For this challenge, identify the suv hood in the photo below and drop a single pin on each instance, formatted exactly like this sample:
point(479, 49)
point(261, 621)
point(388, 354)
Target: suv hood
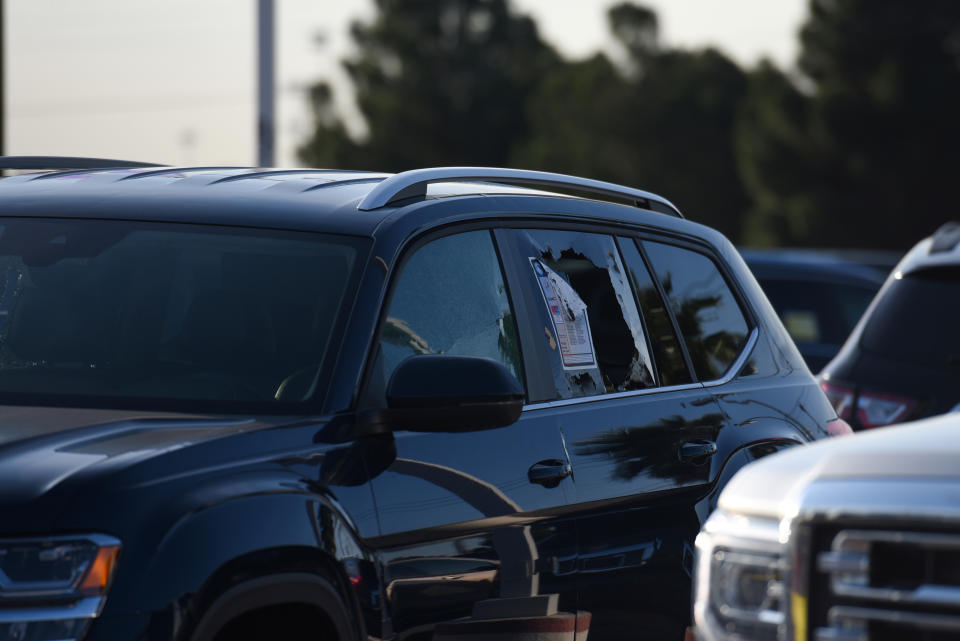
point(41, 447)
point(927, 449)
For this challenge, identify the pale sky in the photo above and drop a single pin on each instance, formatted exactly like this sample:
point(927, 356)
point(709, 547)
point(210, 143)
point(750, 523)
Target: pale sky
point(173, 81)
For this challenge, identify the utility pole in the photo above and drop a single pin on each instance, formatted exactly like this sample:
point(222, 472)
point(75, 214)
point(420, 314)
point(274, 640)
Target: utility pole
point(266, 99)
point(3, 79)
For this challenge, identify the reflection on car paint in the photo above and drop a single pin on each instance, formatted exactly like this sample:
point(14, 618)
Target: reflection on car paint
point(514, 546)
point(619, 558)
point(638, 451)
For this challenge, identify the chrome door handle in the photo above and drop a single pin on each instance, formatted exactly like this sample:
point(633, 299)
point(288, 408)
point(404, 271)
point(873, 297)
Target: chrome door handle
point(697, 452)
point(549, 472)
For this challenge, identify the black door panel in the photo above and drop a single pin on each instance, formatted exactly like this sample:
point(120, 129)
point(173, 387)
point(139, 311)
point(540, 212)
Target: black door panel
point(633, 446)
point(461, 522)
point(635, 570)
point(637, 505)
point(439, 479)
point(645, 449)
point(460, 519)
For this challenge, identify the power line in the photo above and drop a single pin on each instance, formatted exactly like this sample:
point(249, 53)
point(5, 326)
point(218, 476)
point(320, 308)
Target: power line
point(235, 100)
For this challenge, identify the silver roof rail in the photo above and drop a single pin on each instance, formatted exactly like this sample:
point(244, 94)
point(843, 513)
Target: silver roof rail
point(66, 162)
point(410, 184)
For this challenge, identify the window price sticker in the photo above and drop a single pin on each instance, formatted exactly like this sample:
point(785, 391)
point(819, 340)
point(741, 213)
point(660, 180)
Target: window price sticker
point(569, 315)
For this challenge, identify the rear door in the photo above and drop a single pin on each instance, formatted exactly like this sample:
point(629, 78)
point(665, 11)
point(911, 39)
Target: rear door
point(626, 394)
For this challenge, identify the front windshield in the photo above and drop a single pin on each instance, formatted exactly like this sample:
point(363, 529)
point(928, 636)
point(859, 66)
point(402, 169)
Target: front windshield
point(101, 312)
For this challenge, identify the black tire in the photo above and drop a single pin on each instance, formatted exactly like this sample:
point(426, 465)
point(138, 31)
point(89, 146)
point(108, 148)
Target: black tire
point(285, 607)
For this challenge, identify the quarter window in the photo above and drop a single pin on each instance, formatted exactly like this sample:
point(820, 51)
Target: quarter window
point(451, 299)
point(711, 322)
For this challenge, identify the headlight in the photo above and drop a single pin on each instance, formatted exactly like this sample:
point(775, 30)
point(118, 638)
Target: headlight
point(51, 588)
point(746, 593)
point(742, 580)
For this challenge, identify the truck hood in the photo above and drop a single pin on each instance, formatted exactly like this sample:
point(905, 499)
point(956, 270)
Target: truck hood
point(42, 447)
point(771, 487)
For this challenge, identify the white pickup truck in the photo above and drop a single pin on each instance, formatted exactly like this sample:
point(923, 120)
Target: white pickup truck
point(852, 539)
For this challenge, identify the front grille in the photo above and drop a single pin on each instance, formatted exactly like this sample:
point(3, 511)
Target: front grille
point(881, 585)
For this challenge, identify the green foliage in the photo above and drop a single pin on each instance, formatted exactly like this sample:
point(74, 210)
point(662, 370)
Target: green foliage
point(866, 156)
point(664, 122)
point(439, 83)
point(776, 160)
point(857, 150)
point(577, 123)
point(468, 82)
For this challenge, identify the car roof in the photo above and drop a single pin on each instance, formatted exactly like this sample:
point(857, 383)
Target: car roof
point(296, 199)
point(330, 200)
point(940, 250)
point(811, 264)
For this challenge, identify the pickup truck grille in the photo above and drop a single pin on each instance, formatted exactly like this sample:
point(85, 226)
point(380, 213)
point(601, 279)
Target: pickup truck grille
point(881, 585)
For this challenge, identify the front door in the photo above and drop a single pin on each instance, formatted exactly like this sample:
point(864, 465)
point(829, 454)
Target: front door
point(464, 517)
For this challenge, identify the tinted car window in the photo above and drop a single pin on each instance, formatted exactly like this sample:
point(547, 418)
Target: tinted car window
point(915, 319)
point(451, 299)
point(96, 309)
point(712, 324)
point(597, 342)
point(666, 348)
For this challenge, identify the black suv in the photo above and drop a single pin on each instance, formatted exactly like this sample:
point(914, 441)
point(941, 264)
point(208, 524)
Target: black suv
point(292, 404)
point(902, 362)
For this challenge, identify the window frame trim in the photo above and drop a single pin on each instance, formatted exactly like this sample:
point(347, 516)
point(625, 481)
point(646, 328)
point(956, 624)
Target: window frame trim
point(536, 365)
point(620, 234)
point(730, 374)
point(533, 370)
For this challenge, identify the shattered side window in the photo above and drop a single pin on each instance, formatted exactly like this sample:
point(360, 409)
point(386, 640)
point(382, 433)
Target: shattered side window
point(451, 299)
point(594, 333)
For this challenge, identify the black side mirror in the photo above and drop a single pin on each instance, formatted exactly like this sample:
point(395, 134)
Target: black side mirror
point(441, 393)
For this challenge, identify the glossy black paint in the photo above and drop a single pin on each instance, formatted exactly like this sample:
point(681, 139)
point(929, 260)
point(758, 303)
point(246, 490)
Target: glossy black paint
point(627, 473)
point(443, 393)
point(198, 503)
point(410, 528)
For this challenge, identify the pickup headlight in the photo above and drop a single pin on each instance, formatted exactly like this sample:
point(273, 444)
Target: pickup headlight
point(52, 588)
point(741, 586)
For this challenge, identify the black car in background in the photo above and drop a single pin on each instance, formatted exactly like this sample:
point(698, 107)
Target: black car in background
point(298, 404)
point(903, 360)
point(819, 294)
